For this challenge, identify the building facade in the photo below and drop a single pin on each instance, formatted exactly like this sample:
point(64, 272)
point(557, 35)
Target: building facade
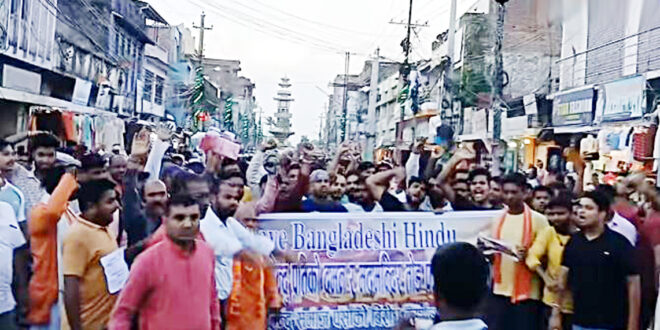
point(55, 55)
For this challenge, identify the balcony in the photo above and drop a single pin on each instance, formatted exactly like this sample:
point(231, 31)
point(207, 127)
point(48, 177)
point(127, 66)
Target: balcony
point(29, 35)
point(130, 16)
point(156, 52)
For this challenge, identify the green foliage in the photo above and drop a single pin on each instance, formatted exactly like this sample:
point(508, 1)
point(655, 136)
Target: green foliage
point(478, 42)
point(228, 115)
point(197, 98)
point(245, 128)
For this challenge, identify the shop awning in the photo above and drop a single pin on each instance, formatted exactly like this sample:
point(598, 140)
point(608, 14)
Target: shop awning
point(55, 103)
point(471, 137)
point(574, 129)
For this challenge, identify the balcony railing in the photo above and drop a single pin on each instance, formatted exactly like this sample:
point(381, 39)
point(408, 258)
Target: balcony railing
point(130, 13)
point(28, 32)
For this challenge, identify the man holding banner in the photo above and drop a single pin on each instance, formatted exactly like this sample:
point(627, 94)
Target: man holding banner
point(227, 236)
point(517, 290)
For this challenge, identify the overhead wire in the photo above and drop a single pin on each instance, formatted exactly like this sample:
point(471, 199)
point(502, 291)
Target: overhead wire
point(322, 34)
point(311, 21)
point(268, 28)
point(382, 34)
point(260, 20)
point(419, 43)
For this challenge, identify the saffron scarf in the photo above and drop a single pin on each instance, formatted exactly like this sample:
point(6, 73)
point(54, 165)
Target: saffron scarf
point(522, 285)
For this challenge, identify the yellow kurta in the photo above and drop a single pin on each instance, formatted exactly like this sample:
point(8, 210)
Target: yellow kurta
point(512, 233)
point(550, 244)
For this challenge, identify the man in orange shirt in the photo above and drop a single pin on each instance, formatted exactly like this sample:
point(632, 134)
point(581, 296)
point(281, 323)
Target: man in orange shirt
point(44, 287)
point(87, 297)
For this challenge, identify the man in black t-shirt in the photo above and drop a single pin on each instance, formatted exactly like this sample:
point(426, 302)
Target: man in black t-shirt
point(598, 266)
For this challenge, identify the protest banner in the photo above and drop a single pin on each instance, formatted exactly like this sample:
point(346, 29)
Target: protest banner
point(362, 270)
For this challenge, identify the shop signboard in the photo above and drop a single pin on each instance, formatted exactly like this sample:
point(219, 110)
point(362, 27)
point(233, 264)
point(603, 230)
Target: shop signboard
point(81, 91)
point(467, 120)
point(529, 102)
point(516, 126)
point(362, 271)
point(573, 108)
point(480, 121)
point(622, 99)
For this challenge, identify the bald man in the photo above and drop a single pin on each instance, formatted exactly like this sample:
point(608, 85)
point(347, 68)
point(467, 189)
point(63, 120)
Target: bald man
point(143, 209)
point(155, 201)
point(117, 168)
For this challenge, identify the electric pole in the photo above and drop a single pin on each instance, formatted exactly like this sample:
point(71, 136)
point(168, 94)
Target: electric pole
point(344, 109)
point(406, 62)
point(406, 68)
point(407, 46)
point(498, 85)
point(371, 111)
point(449, 85)
point(201, 28)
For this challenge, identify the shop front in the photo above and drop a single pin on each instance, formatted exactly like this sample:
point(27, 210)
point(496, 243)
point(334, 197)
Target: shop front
point(96, 131)
point(600, 133)
point(625, 139)
point(521, 143)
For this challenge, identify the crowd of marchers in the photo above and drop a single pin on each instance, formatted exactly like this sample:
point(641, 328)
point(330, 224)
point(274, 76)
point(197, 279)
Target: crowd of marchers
point(183, 224)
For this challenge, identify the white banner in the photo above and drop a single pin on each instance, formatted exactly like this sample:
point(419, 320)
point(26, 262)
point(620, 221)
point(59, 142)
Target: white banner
point(362, 270)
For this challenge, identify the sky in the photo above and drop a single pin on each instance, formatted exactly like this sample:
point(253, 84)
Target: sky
point(305, 40)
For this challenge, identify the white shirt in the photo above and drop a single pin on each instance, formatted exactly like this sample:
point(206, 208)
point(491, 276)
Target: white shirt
point(14, 197)
point(469, 324)
point(622, 226)
point(11, 237)
point(226, 241)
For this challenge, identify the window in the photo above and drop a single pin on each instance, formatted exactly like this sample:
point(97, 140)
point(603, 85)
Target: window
point(158, 99)
point(122, 39)
point(116, 43)
point(148, 83)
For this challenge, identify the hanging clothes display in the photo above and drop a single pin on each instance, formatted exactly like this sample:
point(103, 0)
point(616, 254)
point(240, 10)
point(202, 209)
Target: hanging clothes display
point(69, 126)
point(99, 124)
point(49, 121)
point(589, 148)
point(109, 132)
point(87, 132)
point(643, 143)
point(132, 127)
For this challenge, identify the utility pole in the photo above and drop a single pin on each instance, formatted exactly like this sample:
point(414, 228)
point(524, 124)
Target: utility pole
point(449, 85)
point(408, 46)
point(371, 111)
point(498, 85)
point(407, 62)
point(344, 110)
point(405, 70)
point(201, 28)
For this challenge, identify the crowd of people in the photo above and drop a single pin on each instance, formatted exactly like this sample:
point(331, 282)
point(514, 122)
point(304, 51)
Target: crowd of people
point(183, 224)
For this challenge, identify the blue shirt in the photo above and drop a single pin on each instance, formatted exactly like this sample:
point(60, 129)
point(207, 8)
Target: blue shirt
point(14, 197)
point(309, 205)
point(28, 184)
